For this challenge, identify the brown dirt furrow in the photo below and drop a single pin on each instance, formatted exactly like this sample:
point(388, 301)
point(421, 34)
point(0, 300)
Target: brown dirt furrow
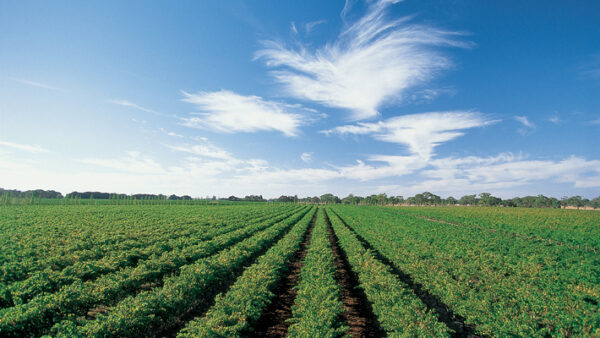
point(208, 298)
point(358, 313)
point(273, 321)
point(442, 311)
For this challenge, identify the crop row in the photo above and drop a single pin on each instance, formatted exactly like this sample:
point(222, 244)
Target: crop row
point(399, 311)
point(502, 285)
point(234, 312)
point(60, 238)
point(50, 280)
point(77, 298)
point(317, 308)
point(195, 286)
point(578, 228)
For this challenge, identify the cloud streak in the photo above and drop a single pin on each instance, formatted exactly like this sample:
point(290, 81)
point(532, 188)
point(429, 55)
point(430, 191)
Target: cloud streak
point(228, 112)
point(527, 125)
point(37, 84)
point(421, 133)
point(306, 157)
point(129, 104)
point(204, 150)
point(24, 147)
point(372, 61)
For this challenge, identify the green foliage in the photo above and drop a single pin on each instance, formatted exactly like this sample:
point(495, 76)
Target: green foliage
point(76, 296)
point(317, 306)
point(398, 309)
point(502, 284)
point(235, 311)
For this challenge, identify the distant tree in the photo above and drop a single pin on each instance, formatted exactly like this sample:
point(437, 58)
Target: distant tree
point(468, 200)
point(487, 199)
point(595, 203)
point(450, 200)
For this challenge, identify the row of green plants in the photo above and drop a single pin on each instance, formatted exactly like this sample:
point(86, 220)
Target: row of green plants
point(235, 311)
point(317, 308)
point(151, 312)
point(77, 298)
point(502, 285)
point(578, 228)
point(399, 311)
point(37, 238)
point(49, 280)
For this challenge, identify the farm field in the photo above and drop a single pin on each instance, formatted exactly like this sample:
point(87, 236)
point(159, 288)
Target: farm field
point(302, 270)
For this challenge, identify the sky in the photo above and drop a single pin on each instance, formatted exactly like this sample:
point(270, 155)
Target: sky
point(301, 97)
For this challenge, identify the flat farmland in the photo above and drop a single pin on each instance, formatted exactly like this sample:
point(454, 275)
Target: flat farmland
point(278, 269)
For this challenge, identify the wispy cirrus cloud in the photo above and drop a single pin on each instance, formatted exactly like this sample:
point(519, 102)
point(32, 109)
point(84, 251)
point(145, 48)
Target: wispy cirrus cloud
point(373, 60)
point(507, 171)
point(306, 157)
point(134, 162)
point(229, 112)
point(592, 68)
point(24, 147)
point(205, 149)
point(126, 103)
point(309, 26)
point(527, 126)
point(555, 119)
point(36, 84)
point(421, 133)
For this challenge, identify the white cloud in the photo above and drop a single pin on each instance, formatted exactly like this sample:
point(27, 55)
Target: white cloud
point(309, 26)
point(527, 125)
point(395, 166)
point(420, 132)
point(306, 157)
point(130, 104)
point(524, 121)
point(504, 172)
point(25, 147)
point(170, 133)
point(199, 175)
point(229, 112)
point(372, 61)
point(596, 122)
point(134, 162)
point(554, 119)
point(37, 84)
point(591, 69)
point(293, 28)
point(205, 150)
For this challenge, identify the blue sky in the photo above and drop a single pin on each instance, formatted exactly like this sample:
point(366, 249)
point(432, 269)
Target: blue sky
point(305, 97)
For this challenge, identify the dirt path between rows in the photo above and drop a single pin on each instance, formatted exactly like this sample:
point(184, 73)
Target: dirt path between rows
point(358, 313)
point(442, 311)
point(273, 321)
point(208, 298)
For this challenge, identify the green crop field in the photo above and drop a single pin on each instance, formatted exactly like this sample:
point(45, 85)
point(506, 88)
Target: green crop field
point(284, 269)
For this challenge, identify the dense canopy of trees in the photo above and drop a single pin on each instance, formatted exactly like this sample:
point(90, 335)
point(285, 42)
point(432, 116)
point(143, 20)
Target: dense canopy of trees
point(425, 198)
point(31, 193)
point(483, 199)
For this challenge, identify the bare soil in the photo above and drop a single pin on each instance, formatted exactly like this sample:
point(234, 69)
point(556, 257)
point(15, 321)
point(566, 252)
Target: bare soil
point(358, 313)
point(442, 311)
point(273, 321)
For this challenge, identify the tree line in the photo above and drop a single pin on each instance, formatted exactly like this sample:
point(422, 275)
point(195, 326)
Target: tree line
point(427, 198)
point(422, 199)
